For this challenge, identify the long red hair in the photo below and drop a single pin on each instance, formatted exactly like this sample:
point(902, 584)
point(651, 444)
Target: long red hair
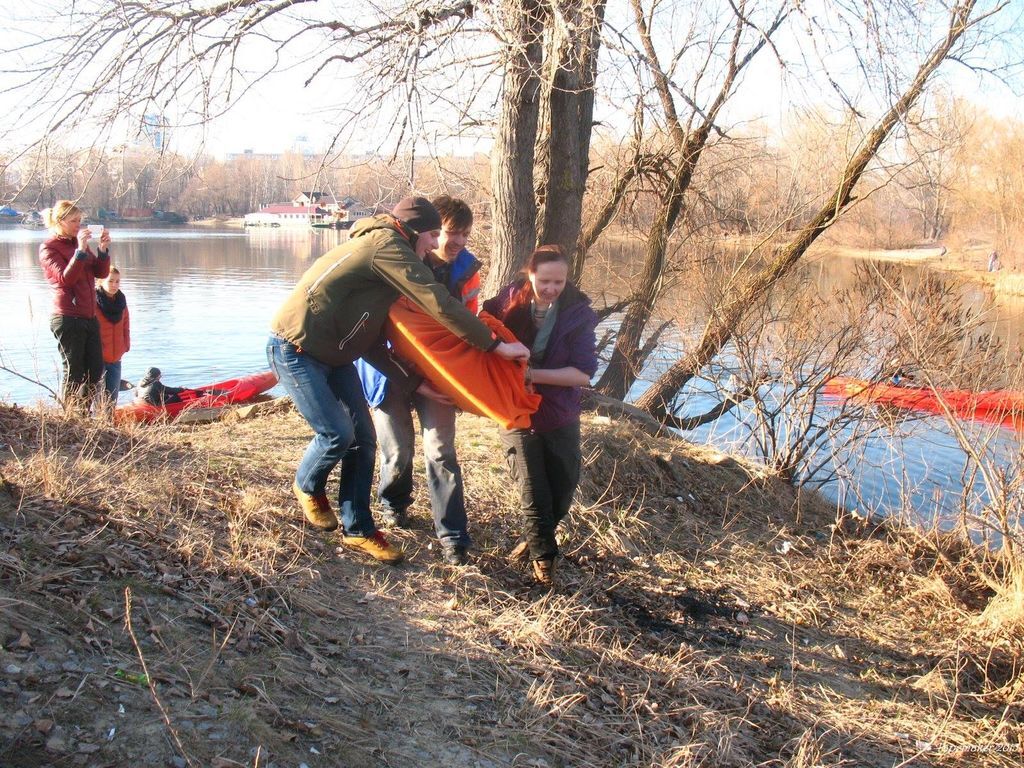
point(543, 255)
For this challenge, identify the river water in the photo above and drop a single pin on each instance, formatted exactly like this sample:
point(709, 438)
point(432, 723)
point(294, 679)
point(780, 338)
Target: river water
point(201, 299)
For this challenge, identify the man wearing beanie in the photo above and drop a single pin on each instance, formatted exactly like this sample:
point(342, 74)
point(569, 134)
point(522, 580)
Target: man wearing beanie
point(335, 315)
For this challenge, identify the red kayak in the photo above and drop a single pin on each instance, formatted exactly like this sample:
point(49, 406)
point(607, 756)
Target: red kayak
point(217, 395)
point(997, 406)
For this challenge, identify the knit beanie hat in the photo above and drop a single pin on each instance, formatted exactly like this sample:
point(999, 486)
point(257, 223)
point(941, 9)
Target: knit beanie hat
point(418, 213)
point(153, 374)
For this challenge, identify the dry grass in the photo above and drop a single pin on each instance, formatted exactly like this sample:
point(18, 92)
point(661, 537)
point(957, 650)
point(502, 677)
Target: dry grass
point(682, 635)
point(1009, 283)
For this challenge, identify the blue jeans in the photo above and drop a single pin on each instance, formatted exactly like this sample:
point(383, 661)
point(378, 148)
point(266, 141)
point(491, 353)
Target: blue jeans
point(331, 399)
point(112, 380)
point(393, 420)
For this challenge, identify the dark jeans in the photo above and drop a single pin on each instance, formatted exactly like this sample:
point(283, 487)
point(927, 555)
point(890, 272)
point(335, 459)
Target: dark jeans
point(397, 437)
point(331, 400)
point(81, 351)
point(546, 467)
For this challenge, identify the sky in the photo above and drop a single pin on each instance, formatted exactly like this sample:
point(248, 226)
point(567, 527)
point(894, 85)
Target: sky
point(280, 113)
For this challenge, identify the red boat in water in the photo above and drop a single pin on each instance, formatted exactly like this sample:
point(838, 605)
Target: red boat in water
point(230, 392)
point(997, 406)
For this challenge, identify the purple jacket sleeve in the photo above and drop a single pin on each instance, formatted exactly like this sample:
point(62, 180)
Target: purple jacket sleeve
point(583, 354)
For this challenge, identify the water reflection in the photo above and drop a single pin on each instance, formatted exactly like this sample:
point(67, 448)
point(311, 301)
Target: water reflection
point(200, 301)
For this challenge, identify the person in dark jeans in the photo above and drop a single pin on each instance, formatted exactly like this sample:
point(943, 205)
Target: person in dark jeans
point(554, 319)
point(72, 267)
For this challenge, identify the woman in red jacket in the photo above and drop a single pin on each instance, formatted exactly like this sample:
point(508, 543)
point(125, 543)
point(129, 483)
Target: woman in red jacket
point(71, 266)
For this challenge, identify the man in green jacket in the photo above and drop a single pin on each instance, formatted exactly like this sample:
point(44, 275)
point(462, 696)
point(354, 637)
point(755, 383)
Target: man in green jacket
point(335, 315)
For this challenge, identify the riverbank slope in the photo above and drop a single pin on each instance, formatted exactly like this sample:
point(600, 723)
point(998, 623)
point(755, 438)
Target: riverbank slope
point(161, 603)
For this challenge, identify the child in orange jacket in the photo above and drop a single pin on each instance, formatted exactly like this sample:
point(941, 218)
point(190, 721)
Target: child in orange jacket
point(114, 330)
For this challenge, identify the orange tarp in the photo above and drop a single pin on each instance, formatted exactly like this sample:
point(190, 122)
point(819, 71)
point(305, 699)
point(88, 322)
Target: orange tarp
point(479, 382)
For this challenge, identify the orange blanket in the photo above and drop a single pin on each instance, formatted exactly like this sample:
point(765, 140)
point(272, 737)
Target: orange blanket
point(479, 382)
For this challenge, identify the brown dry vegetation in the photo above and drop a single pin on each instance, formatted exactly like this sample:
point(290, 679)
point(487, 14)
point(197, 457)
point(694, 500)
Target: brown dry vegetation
point(682, 634)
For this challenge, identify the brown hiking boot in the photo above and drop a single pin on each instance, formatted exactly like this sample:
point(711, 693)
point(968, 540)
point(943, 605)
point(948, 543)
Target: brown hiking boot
point(316, 509)
point(544, 573)
point(520, 552)
point(375, 546)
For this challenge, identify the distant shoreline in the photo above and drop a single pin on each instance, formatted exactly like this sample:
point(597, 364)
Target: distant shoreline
point(970, 262)
point(215, 221)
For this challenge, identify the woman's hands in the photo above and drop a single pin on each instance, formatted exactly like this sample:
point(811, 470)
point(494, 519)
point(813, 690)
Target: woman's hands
point(84, 236)
point(512, 351)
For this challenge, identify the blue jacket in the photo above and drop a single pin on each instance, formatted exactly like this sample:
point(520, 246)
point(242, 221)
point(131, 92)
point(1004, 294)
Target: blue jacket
point(462, 279)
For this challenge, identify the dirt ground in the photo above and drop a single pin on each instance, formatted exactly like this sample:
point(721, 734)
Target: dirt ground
point(162, 604)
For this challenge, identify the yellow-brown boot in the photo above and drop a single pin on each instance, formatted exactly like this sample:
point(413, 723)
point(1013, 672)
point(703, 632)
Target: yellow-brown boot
point(376, 546)
point(544, 573)
point(316, 509)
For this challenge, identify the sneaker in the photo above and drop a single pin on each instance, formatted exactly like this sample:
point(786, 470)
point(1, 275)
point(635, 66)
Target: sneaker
point(376, 546)
point(394, 518)
point(454, 554)
point(316, 509)
point(544, 573)
point(520, 552)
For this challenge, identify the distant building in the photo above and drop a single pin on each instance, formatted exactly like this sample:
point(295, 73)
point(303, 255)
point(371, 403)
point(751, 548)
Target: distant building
point(310, 208)
point(154, 127)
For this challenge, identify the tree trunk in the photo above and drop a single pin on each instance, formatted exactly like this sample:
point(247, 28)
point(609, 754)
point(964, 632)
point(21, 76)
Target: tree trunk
point(624, 366)
point(514, 208)
point(574, 44)
point(723, 323)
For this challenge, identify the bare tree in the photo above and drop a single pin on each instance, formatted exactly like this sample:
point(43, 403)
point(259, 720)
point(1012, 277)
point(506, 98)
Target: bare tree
point(936, 143)
point(737, 42)
point(723, 323)
point(131, 69)
point(514, 208)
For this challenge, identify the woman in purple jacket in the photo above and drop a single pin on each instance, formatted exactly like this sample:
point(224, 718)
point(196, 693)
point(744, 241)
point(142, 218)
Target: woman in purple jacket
point(72, 268)
point(553, 318)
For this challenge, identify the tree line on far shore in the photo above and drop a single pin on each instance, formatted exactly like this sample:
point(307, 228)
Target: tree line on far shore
point(954, 180)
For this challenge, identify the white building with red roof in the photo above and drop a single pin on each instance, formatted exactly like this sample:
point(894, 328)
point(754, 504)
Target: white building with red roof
point(316, 209)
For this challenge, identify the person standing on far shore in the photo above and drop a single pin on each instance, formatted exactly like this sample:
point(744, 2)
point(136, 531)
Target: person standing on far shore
point(71, 266)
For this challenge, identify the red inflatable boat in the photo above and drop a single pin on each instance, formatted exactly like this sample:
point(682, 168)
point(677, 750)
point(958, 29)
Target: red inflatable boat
point(216, 395)
point(997, 406)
